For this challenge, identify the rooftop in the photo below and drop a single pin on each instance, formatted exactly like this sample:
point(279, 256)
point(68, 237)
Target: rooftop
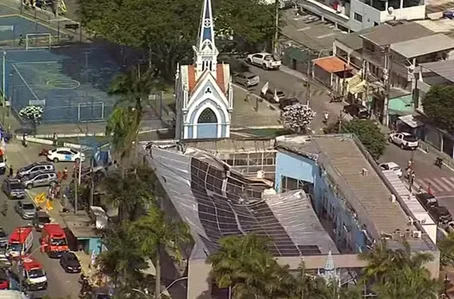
point(345, 163)
point(353, 40)
point(309, 31)
point(443, 68)
point(386, 34)
point(80, 225)
point(216, 201)
point(332, 64)
point(424, 45)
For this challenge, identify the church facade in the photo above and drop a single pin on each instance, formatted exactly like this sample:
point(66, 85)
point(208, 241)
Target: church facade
point(203, 91)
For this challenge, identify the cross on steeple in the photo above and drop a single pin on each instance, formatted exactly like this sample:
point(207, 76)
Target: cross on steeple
point(206, 52)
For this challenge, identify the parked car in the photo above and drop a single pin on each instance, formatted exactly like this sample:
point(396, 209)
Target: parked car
point(264, 60)
point(13, 188)
point(3, 237)
point(246, 79)
point(70, 263)
point(427, 200)
point(26, 209)
point(65, 154)
point(39, 179)
point(39, 219)
point(4, 279)
point(270, 95)
point(287, 102)
point(37, 167)
point(356, 110)
point(404, 140)
point(440, 214)
point(391, 166)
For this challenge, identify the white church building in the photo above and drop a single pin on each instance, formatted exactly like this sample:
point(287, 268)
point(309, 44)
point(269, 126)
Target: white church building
point(203, 91)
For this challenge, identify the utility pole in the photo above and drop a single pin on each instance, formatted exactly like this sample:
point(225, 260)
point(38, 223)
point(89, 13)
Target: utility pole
point(57, 7)
point(386, 83)
point(276, 28)
point(4, 84)
point(92, 181)
point(76, 193)
point(308, 84)
point(340, 121)
point(19, 266)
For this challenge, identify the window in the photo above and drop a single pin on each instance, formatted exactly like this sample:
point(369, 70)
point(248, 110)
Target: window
point(208, 117)
point(358, 17)
point(376, 24)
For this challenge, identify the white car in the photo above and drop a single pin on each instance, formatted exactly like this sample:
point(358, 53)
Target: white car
point(404, 140)
point(264, 60)
point(391, 166)
point(65, 154)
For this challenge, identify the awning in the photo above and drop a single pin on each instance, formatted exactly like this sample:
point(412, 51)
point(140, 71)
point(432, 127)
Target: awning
point(411, 121)
point(332, 64)
point(401, 105)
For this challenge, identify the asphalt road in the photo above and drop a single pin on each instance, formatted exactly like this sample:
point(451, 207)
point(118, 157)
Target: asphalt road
point(441, 180)
point(60, 284)
point(294, 87)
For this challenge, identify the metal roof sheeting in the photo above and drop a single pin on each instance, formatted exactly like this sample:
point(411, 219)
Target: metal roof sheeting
point(424, 45)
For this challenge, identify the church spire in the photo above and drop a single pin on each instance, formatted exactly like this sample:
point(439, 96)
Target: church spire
point(206, 51)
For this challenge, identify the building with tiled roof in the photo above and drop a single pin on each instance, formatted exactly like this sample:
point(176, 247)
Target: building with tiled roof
point(204, 96)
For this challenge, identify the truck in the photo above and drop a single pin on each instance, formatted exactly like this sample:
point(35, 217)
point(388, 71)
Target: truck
point(53, 240)
point(33, 275)
point(20, 241)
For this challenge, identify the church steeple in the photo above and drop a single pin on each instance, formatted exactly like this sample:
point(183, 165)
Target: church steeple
point(206, 52)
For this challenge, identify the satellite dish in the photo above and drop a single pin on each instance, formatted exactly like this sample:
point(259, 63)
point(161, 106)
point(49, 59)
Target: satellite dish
point(390, 10)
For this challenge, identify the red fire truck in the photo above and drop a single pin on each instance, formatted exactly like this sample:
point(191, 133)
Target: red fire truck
point(20, 241)
point(53, 240)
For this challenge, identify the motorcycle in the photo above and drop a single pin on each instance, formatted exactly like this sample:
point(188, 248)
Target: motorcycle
point(44, 152)
point(439, 162)
point(24, 141)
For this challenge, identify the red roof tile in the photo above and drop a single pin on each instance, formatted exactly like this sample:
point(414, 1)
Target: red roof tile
point(191, 78)
point(220, 76)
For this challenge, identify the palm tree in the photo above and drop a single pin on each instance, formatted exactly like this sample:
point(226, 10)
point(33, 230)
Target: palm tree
point(129, 192)
point(123, 260)
point(154, 232)
point(244, 264)
point(446, 247)
point(381, 260)
point(123, 124)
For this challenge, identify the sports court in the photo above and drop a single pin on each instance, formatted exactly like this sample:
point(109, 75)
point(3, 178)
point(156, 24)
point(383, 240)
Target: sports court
point(69, 82)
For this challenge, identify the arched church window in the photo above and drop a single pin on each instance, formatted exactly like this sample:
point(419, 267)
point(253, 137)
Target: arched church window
point(208, 117)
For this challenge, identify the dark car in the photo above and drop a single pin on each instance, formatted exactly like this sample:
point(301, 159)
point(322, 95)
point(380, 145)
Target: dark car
point(356, 110)
point(287, 102)
point(427, 200)
point(270, 95)
point(70, 262)
point(440, 214)
point(13, 188)
point(3, 237)
point(40, 219)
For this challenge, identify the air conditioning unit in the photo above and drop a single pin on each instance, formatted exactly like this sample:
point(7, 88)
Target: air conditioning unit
point(260, 174)
point(410, 220)
point(422, 221)
point(417, 234)
point(364, 172)
point(393, 198)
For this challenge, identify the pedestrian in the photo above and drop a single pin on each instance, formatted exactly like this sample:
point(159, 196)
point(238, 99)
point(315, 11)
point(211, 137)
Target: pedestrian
point(420, 189)
point(59, 176)
point(65, 173)
point(54, 139)
point(429, 189)
point(11, 171)
point(21, 40)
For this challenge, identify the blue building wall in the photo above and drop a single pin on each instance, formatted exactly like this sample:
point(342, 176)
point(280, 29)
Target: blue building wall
point(326, 202)
point(293, 166)
point(92, 244)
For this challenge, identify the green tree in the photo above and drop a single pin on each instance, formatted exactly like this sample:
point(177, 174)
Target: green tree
point(129, 192)
point(168, 29)
point(399, 273)
point(123, 125)
point(123, 261)
point(438, 105)
point(446, 247)
point(245, 264)
point(367, 132)
point(154, 232)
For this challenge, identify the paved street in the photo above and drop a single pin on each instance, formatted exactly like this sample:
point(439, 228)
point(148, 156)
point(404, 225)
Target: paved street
point(292, 83)
point(61, 284)
point(441, 180)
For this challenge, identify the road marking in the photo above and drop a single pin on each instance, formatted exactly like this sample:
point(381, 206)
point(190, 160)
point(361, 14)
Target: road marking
point(443, 184)
point(439, 184)
point(449, 182)
point(305, 28)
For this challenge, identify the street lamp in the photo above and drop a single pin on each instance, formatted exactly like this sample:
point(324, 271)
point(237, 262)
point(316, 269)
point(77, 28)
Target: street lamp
point(171, 284)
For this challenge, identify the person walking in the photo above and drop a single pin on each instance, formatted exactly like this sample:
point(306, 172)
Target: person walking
point(11, 171)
